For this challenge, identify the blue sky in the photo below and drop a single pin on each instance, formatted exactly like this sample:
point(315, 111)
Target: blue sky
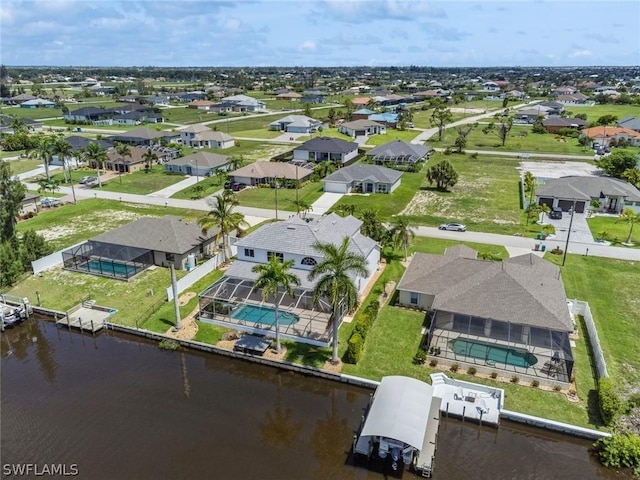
point(319, 33)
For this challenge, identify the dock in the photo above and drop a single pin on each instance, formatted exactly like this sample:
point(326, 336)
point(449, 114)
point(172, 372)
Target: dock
point(468, 401)
point(426, 457)
point(85, 319)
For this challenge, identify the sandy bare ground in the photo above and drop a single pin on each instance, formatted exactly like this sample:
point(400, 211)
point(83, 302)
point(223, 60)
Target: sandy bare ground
point(189, 324)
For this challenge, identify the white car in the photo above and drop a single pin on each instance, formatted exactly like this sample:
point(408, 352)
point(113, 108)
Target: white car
point(456, 227)
point(50, 202)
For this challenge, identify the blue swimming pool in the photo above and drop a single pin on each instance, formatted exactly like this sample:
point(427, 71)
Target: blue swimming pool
point(263, 315)
point(493, 353)
point(107, 267)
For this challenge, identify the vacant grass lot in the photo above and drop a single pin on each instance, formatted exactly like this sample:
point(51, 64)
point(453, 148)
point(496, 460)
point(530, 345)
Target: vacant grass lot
point(266, 197)
point(67, 225)
point(481, 201)
point(597, 111)
point(24, 164)
point(32, 113)
point(140, 182)
point(617, 229)
point(210, 184)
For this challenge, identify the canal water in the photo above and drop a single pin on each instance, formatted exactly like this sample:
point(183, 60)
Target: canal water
point(116, 406)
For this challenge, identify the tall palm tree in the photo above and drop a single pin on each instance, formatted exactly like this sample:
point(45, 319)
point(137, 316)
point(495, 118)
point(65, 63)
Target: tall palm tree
point(334, 273)
point(402, 233)
point(124, 151)
point(149, 157)
point(274, 276)
point(43, 150)
point(95, 154)
point(63, 150)
point(222, 216)
point(631, 218)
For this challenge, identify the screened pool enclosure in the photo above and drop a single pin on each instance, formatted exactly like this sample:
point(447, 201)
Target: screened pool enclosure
point(107, 259)
point(516, 348)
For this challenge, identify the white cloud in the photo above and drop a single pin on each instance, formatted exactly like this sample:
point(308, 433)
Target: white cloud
point(308, 46)
point(580, 53)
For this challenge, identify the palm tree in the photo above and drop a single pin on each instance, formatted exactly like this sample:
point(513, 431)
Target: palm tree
point(222, 216)
point(63, 150)
point(345, 209)
point(631, 218)
point(123, 150)
point(149, 157)
point(95, 154)
point(272, 276)
point(43, 150)
point(402, 233)
point(302, 206)
point(544, 208)
point(335, 283)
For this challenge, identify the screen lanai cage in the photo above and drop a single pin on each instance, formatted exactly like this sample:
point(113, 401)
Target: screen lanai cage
point(107, 259)
point(235, 303)
point(408, 159)
point(511, 347)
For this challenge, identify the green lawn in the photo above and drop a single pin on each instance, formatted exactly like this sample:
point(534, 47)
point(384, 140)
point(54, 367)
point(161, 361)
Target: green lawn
point(32, 113)
point(266, 197)
point(210, 184)
point(67, 225)
point(596, 111)
point(140, 182)
point(617, 229)
point(24, 164)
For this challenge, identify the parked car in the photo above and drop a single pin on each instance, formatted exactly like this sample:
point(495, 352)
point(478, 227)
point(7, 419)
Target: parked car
point(236, 187)
point(50, 202)
point(556, 213)
point(85, 180)
point(456, 227)
point(227, 184)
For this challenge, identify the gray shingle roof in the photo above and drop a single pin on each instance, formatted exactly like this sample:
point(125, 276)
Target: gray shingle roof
point(526, 290)
point(297, 236)
point(165, 234)
point(399, 149)
point(201, 159)
point(328, 144)
point(243, 269)
point(585, 188)
point(361, 173)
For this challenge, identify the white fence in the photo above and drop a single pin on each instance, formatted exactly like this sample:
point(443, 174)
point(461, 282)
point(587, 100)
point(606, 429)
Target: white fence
point(199, 272)
point(582, 308)
point(50, 261)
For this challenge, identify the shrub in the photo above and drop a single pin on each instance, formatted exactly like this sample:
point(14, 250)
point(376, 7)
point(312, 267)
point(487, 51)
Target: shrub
point(557, 388)
point(494, 375)
point(535, 384)
point(169, 344)
point(471, 371)
point(455, 367)
point(610, 403)
point(420, 357)
point(433, 363)
point(448, 151)
point(620, 450)
point(514, 379)
point(354, 348)
point(634, 401)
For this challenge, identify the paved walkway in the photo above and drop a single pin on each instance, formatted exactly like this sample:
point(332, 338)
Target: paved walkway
point(176, 187)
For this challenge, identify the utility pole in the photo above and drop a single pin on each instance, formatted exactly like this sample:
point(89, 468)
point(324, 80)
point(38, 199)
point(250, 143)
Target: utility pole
point(566, 246)
point(277, 186)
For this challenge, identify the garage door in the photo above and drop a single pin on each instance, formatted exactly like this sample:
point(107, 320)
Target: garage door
point(565, 205)
point(546, 201)
point(332, 187)
point(580, 206)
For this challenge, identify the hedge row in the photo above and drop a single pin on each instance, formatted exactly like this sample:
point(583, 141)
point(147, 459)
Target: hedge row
point(611, 405)
point(362, 324)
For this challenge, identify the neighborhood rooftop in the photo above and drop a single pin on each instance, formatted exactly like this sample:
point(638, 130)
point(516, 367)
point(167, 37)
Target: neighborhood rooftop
point(586, 188)
point(364, 173)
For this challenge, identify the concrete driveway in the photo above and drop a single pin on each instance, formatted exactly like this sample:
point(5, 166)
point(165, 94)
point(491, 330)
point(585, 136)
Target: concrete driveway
point(580, 231)
point(325, 202)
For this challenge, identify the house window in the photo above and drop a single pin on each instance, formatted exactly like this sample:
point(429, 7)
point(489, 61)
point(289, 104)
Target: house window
point(278, 255)
point(170, 257)
point(248, 252)
point(414, 298)
point(382, 188)
point(308, 261)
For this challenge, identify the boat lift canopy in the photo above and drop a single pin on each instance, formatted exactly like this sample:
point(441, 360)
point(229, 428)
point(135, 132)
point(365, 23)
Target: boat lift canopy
point(400, 410)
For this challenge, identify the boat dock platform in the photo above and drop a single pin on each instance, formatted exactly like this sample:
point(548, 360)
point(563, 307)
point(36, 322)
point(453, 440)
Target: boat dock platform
point(426, 457)
point(85, 319)
point(468, 401)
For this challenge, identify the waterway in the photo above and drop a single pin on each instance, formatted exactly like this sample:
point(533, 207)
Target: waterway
point(117, 406)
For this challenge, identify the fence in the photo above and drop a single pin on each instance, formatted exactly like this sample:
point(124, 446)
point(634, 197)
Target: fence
point(50, 261)
point(199, 272)
point(582, 308)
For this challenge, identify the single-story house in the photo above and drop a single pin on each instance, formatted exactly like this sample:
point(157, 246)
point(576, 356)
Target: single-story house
point(137, 117)
point(244, 103)
point(362, 128)
point(614, 195)
point(29, 204)
point(296, 124)
point(38, 103)
point(553, 108)
point(202, 164)
point(201, 104)
point(313, 96)
point(553, 124)
point(322, 149)
point(7, 123)
point(399, 152)
point(387, 118)
point(230, 299)
point(291, 96)
point(530, 115)
point(145, 136)
point(129, 164)
point(88, 114)
point(511, 315)
point(132, 248)
point(362, 179)
point(211, 139)
point(605, 135)
point(362, 114)
point(576, 98)
point(266, 172)
point(360, 102)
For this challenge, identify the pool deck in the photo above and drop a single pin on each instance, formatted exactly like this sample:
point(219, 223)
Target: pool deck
point(468, 401)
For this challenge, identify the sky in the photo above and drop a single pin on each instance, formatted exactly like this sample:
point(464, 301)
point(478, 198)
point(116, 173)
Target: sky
point(200, 33)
